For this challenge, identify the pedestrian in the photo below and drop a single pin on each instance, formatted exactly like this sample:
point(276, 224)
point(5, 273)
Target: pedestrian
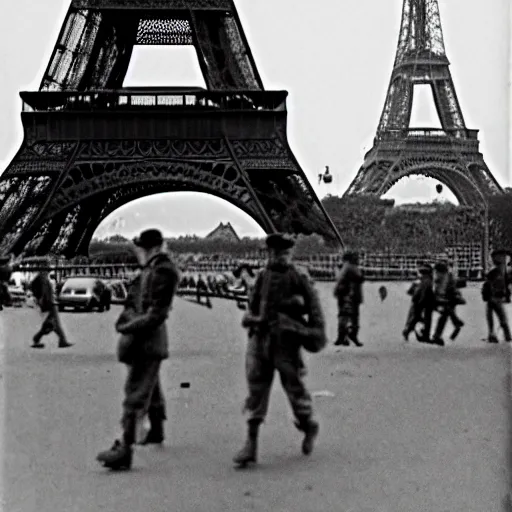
point(349, 294)
point(496, 293)
point(422, 304)
point(282, 297)
point(447, 297)
point(143, 346)
point(43, 290)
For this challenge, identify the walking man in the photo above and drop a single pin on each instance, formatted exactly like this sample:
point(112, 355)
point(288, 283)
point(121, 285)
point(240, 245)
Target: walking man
point(349, 294)
point(44, 294)
point(447, 298)
point(281, 298)
point(143, 346)
point(422, 304)
point(496, 293)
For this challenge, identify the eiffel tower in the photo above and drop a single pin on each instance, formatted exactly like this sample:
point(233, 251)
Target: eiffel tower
point(91, 146)
point(451, 154)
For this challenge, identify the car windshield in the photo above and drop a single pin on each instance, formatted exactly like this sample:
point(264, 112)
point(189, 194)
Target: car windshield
point(82, 284)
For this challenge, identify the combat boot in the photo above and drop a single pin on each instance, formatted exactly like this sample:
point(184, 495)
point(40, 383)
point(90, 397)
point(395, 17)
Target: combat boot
point(118, 457)
point(310, 428)
point(249, 452)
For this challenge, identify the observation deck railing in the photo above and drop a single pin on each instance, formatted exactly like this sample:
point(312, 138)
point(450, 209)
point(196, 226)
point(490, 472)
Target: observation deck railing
point(157, 99)
point(429, 133)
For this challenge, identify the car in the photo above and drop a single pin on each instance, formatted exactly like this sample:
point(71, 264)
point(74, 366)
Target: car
point(17, 294)
point(86, 293)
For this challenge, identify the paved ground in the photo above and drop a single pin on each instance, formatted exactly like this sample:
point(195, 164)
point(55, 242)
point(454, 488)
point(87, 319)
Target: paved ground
point(410, 428)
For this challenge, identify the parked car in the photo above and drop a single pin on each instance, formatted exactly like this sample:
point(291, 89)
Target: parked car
point(87, 293)
point(17, 295)
point(118, 289)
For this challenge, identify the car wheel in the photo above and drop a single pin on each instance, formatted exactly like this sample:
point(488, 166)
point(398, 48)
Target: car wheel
point(61, 308)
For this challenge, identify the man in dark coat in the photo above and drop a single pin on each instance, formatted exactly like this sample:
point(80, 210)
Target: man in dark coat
point(282, 296)
point(349, 294)
point(447, 297)
point(44, 294)
point(143, 346)
point(422, 303)
point(496, 293)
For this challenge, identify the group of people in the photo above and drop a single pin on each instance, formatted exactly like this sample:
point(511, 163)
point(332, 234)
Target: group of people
point(436, 289)
point(284, 315)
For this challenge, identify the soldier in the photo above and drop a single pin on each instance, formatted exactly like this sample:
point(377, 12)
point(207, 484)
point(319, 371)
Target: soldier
point(349, 294)
point(422, 304)
point(44, 294)
point(447, 297)
point(281, 296)
point(143, 346)
point(496, 293)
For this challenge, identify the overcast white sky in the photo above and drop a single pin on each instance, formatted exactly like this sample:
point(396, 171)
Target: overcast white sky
point(335, 59)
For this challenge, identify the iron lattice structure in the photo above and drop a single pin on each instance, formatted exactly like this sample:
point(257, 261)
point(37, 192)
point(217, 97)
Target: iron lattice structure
point(91, 146)
point(450, 154)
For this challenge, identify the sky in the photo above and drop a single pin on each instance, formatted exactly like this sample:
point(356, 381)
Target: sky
point(333, 57)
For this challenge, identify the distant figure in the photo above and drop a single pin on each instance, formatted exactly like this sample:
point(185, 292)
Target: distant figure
point(447, 298)
point(202, 290)
point(43, 290)
point(422, 304)
point(349, 294)
point(496, 293)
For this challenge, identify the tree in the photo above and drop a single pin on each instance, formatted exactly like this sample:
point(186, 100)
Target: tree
point(500, 216)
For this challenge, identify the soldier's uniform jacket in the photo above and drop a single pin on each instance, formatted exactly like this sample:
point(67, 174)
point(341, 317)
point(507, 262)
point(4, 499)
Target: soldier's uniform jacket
point(147, 307)
point(496, 286)
point(445, 289)
point(422, 292)
point(286, 282)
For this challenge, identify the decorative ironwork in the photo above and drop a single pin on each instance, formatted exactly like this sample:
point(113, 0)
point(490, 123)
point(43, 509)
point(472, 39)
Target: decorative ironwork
point(164, 31)
point(142, 149)
point(74, 169)
point(450, 154)
point(153, 4)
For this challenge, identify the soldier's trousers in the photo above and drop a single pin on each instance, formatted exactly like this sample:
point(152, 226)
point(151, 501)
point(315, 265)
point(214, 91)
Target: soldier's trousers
point(143, 395)
point(418, 313)
point(494, 307)
point(348, 324)
point(262, 359)
point(51, 323)
point(446, 313)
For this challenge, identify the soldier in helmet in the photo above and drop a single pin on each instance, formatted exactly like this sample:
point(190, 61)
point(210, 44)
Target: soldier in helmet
point(349, 294)
point(143, 346)
point(281, 299)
